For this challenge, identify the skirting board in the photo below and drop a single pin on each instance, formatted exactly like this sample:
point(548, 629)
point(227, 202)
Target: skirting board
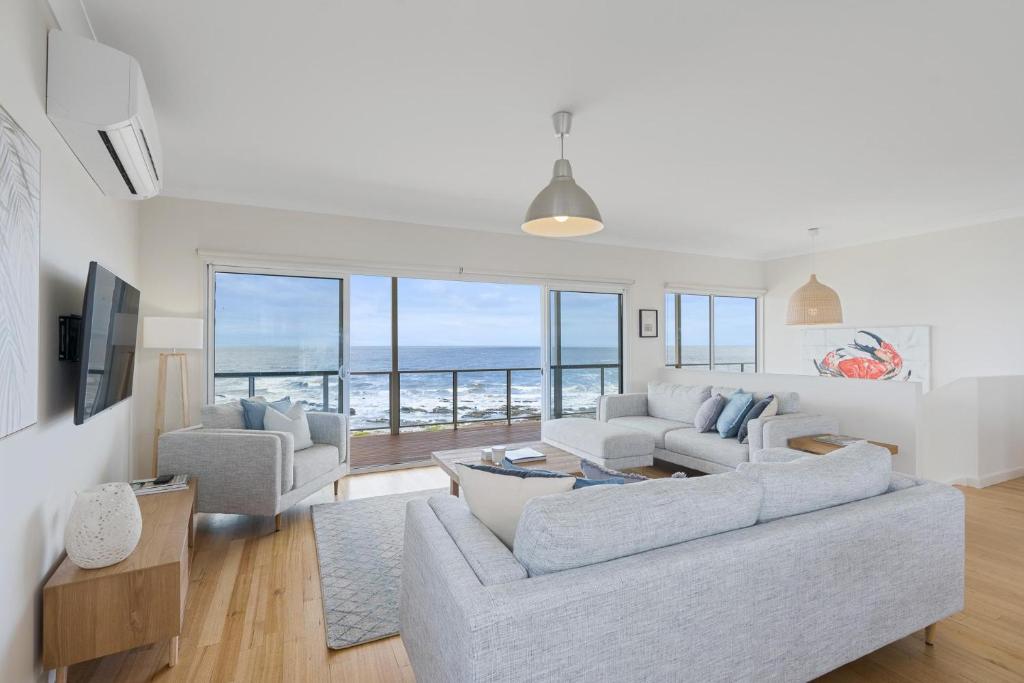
point(989, 479)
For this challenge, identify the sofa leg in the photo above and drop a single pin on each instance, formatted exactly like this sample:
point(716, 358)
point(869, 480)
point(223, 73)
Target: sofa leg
point(337, 484)
point(277, 522)
point(929, 634)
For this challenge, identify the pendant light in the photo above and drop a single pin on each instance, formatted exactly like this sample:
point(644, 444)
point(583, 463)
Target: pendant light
point(814, 303)
point(563, 208)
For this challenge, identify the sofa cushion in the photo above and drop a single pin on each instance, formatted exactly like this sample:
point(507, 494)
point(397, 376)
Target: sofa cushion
point(776, 454)
point(593, 470)
point(253, 409)
point(492, 562)
point(789, 401)
point(607, 522)
point(293, 422)
point(675, 401)
point(732, 415)
point(707, 446)
point(654, 426)
point(311, 462)
point(222, 416)
point(756, 410)
point(581, 482)
point(600, 439)
point(709, 412)
point(497, 498)
point(858, 471)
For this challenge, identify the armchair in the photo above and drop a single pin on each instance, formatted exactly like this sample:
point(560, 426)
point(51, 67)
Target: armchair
point(253, 472)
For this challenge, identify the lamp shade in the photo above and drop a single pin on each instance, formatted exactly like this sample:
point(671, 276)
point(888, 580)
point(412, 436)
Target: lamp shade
point(172, 333)
point(814, 304)
point(563, 208)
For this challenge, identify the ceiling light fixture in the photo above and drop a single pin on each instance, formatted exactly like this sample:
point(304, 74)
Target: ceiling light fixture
point(563, 208)
point(814, 303)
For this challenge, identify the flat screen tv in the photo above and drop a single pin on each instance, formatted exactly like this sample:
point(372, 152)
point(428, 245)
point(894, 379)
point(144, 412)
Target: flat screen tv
point(110, 322)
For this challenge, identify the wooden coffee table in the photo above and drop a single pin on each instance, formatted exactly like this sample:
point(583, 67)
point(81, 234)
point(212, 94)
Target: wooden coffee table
point(556, 460)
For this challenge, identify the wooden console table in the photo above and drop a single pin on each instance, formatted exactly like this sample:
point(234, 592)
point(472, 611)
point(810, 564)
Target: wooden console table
point(89, 613)
point(811, 444)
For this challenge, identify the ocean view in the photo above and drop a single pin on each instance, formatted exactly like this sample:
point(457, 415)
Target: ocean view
point(426, 397)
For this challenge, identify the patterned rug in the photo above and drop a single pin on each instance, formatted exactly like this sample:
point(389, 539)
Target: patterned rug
point(359, 547)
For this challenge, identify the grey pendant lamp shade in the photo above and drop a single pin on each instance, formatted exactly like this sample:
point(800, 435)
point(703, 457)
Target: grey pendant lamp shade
point(814, 303)
point(563, 208)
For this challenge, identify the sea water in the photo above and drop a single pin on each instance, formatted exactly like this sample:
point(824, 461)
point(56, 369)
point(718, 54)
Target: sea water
point(426, 394)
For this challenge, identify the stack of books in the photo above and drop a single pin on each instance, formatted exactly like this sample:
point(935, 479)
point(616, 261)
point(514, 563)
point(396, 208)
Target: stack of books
point(521, 455)
point(144, 487)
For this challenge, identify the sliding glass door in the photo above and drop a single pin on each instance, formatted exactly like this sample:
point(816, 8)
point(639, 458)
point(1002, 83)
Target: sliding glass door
point(584, 350)
point(279, 335)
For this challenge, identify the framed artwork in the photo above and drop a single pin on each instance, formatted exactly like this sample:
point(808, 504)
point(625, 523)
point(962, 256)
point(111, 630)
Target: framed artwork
point(648, 322)
point(895, 354)
point(19, 277)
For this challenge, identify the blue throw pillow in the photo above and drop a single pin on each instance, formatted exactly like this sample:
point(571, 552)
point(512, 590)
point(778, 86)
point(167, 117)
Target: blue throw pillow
point(591, 470)
point(584, 483)
point(732, 415)
point(253, 411)
point(754, 412)
point(581, 482)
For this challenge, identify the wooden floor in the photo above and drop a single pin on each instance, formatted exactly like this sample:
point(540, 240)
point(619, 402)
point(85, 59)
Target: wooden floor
point(375, 450)
point(254, 611)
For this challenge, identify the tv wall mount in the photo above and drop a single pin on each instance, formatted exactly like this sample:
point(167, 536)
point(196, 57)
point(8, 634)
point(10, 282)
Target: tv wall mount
point(69, 343)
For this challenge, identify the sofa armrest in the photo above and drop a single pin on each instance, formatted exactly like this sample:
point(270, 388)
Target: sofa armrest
point(621, 405)
point(777, 430)
point(240, 471)
point(330, 428)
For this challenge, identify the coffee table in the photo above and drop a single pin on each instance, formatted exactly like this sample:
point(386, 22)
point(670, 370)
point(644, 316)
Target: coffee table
point(556, 460)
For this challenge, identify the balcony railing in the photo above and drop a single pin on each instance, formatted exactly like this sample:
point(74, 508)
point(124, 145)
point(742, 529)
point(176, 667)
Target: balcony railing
point(507, 411)
point(742, 366)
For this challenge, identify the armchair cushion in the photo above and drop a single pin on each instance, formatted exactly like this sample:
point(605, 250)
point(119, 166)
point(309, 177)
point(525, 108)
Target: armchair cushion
point(329, 428)
point(254, 409)
point(314, 461)
point(222, 416)
point(293, 422)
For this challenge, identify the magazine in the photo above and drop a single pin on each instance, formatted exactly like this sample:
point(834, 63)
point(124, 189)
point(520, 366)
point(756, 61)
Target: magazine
point(143, 487)
point(521, 455)
point(836, 439)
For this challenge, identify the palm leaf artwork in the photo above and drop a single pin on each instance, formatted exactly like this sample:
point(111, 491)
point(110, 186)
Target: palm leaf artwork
point(19, 276)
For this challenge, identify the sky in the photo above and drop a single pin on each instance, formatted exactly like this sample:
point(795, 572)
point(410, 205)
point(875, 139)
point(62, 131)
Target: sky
point(262, 310)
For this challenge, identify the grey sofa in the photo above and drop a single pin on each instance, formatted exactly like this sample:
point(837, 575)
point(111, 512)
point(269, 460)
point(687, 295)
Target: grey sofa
point(254, 472)
point(666, 412)
point(681, 580)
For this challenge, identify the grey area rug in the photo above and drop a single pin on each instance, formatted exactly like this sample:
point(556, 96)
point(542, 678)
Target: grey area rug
point(359, 547)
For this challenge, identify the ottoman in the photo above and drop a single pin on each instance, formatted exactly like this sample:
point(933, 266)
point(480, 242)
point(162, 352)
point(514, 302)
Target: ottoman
point(600, 442)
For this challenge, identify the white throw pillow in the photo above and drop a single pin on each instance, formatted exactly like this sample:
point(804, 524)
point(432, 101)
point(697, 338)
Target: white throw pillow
point(294, 421)
point(772, 409)
point(497, 500)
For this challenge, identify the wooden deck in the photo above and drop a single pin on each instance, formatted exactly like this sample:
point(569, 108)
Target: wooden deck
point(378, 450)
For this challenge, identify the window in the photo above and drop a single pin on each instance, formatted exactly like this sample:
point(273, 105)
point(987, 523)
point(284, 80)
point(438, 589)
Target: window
point(715, 332)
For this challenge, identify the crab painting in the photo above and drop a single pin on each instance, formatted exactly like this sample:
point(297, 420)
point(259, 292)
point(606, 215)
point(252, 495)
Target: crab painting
point(868, 357)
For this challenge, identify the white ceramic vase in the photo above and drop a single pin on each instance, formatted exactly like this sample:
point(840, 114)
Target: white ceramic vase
point(104, 527)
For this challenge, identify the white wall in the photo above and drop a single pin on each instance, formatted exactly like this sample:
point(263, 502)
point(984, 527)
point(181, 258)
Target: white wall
point(879, 411)
point(173, 273)
point(45, 464)
point(966, 284)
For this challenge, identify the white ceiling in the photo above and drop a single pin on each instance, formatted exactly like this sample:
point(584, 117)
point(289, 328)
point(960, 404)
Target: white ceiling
point(724, 127)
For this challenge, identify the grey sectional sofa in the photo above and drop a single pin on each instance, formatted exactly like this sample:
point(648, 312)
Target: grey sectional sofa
point(666, 412)
point(694, 579)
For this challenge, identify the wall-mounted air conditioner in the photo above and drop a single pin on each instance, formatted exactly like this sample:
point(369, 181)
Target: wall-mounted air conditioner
point(96, 97)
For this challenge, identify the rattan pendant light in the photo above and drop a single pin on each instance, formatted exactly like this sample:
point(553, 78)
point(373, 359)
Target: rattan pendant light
point(814, 303)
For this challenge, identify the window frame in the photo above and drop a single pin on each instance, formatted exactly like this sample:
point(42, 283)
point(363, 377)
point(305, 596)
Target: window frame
point(678, 291)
